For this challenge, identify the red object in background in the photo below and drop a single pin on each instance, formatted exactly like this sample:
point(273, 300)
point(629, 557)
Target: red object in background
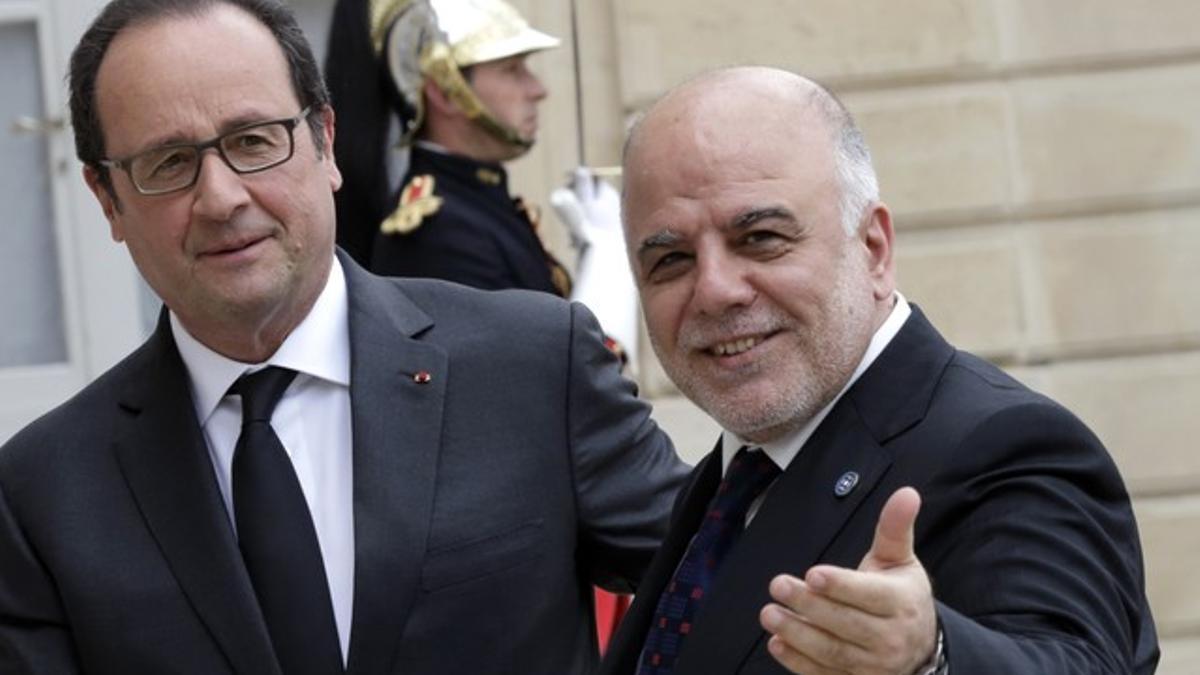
point(610, 609)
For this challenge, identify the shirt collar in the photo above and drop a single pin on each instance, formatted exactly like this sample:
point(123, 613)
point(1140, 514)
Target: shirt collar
point(783, 450)
point(432, 147)
point(319, 346)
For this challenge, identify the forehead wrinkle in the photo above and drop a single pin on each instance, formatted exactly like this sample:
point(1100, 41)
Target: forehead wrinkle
point(240, 121)
point(227, 93)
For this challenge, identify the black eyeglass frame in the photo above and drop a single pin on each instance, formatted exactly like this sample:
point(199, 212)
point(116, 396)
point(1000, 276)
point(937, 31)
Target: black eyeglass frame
point(289, 123)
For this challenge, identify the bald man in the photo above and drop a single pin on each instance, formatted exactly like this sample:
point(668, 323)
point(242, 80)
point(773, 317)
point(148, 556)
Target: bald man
point(764, 259)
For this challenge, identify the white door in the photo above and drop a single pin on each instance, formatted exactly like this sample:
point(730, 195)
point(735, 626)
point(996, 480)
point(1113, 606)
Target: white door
point(69, 297)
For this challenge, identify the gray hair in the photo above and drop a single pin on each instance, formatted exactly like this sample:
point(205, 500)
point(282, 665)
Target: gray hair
point(857, 183)
point(858, 186)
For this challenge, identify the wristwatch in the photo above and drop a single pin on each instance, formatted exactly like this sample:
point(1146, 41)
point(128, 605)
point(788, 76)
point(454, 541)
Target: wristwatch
point(937, 664)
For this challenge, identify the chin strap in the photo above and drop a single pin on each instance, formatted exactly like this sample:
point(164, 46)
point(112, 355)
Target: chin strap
point(438, 64)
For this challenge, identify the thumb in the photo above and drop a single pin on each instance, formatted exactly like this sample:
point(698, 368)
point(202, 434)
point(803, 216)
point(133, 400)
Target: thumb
point(893, 543)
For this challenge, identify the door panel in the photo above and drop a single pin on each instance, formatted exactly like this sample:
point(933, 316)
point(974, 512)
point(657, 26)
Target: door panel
point(68, 295)
point(34, 331)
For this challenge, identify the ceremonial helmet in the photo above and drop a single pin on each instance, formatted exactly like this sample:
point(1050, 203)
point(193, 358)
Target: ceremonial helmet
point(433, 39)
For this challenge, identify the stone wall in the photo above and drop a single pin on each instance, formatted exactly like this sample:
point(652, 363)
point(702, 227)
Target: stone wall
point(1043, 163)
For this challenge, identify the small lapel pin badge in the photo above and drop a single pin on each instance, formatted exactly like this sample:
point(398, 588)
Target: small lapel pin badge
point(422, 377)
point(845, 484)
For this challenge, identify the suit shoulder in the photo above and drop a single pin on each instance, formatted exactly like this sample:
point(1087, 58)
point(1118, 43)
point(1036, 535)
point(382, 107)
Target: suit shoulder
point(525, 334)
point(977, 400)
point(969, 379)
point(967, 364)
point(75, 424)
point(455, 303)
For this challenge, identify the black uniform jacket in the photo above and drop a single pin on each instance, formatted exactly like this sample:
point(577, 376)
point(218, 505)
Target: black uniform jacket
point(455, 220)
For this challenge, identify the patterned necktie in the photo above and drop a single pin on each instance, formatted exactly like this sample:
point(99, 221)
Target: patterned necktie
point(749, 473)
point(276, 535)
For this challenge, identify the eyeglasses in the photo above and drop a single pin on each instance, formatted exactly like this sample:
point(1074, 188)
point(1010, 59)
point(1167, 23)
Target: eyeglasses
point(249, 149)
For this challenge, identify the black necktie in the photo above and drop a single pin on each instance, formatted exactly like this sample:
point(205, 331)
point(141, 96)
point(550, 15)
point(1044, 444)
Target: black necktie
point(749, 473)
point(276, 535)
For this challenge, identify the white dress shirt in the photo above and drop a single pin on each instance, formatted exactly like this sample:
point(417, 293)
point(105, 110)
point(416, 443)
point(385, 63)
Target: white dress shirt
point(312, 421)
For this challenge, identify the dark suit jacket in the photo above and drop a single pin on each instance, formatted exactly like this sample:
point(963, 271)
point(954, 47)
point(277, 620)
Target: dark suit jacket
point(486, 501)
point(478, 236)
point(1025, 530)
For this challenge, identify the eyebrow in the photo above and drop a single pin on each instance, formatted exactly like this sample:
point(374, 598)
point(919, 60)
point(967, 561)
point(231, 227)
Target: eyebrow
point(668, 238)
point(226, 126)
point(748, 218)
point(661, 239)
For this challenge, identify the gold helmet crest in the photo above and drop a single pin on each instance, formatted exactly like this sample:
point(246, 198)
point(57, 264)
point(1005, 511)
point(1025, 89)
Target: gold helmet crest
point(434, 39)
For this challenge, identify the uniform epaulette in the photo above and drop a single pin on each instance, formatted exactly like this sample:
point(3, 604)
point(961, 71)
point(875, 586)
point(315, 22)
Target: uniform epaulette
point(417, 202)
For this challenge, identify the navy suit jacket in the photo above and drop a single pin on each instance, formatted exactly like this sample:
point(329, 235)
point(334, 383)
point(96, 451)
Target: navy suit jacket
point(486, 501)
point(1025, 530)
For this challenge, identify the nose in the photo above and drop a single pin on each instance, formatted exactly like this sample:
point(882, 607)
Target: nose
point(721, 284)
point(536, 90)
point(219, 190)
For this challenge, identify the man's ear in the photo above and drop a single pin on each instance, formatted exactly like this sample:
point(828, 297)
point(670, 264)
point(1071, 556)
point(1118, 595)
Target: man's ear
point(878, 238)
point(328, 125)
point(101, 187)
point(437, 101)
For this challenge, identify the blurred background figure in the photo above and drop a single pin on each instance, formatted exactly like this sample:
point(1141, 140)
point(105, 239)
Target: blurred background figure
point(432, 98)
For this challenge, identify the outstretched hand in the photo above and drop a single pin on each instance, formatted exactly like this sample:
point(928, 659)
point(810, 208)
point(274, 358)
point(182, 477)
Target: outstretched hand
point(876, 620)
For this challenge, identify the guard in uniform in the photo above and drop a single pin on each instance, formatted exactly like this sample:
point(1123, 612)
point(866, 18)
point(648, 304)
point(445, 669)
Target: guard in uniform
point(452, 76)
point(445, 82)
point(456, 220)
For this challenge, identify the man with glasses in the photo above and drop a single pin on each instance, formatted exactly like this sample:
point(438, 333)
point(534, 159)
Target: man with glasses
point(254, 147)
point(306, 468)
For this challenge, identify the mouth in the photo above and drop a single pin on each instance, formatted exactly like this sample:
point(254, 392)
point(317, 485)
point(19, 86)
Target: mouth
point(736, 346)
point(234, 254)
point(232, 248)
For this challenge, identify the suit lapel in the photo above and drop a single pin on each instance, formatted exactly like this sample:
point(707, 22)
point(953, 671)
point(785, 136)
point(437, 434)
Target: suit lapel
point(163, 457)
point(397, 389)
point(795, 525)
point(895, 393)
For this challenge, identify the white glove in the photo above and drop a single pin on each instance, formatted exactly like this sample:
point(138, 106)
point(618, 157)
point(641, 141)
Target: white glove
point(591, 209)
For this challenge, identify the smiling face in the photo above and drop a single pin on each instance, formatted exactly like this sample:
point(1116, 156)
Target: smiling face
point(758, 303)
point(239, 258)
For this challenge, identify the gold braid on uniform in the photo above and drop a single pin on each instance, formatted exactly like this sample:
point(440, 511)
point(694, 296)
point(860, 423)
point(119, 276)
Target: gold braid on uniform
point(559, 276)
point(417, 202)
